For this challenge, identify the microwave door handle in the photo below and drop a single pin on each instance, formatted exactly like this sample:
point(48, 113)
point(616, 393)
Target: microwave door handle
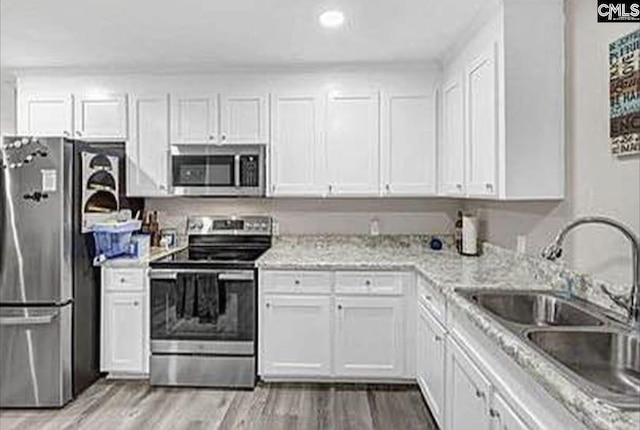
point(236, 170)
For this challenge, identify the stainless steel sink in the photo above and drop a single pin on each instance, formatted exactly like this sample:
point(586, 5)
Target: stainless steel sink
point(586, 343)
point(534, 308)
point(609, 360)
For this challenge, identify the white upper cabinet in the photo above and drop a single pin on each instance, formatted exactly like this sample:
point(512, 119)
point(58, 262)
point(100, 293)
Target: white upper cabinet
point(194, 119)
point(481, 125)
point(512, 115)
point(451, 149)
point(45, 115)
point(100, 117)
point(244, 119)
point(296, 146)
point(409, 145)
point(352, 144)
point(148, 147)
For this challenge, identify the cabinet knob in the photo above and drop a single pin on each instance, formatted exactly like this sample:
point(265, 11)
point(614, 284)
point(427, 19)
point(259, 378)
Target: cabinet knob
point(223, 136)
point(489, 186)
point(163, 187)
point(438, 338)
point(297, 282)
point(387, 187)
point(66, 133)
point(268, 305)
point(211, 137)
point(428, 298)
point(330, 189)
point(479, 394)
point(78, 133)
point(493, 413)
point(459, 186)
point(122, 280)
point(136, 303)
point(367, 282)
point(339, 306)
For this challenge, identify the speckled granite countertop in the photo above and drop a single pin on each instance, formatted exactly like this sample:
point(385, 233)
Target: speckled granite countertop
point(447, 270)
point(154, 254)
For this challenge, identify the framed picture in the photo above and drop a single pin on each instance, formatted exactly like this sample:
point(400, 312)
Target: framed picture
point(624, 95)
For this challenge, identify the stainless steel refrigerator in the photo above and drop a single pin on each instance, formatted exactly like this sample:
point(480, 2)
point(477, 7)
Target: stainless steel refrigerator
point(49, 289)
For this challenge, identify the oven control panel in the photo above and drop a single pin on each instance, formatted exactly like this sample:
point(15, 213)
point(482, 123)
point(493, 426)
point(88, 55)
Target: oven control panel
point(234, 225)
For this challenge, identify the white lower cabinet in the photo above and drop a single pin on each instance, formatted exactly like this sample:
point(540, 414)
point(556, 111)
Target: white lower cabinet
point(369, 336)
point(504, 417)
point(468, 392)
point(296, 335)
point(124, 342)
point(431, 362)
point(308, 330)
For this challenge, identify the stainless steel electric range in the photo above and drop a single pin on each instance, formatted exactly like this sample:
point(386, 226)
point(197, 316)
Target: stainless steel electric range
point(204, 304)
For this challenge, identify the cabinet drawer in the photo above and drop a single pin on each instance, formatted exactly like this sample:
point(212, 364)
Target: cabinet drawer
point(377, 283)
point(296, 282)
point(431, 299)
point(124, 279)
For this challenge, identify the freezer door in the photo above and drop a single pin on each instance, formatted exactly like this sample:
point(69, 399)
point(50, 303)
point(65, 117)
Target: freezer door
point(35, 356)
point(35, 222)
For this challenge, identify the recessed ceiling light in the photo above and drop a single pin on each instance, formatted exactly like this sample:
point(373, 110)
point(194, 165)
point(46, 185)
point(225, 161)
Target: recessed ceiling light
point(331, 19)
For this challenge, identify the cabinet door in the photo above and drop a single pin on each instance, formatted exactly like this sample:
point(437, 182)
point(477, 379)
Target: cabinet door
point(504, 417)
point(296, 149)
point(148, 148)
point(368, 337)
point(244, 119)
point(45, 115)
point(296, 336)
point(194, 119)
point(451, 147)
point(482, 124)
point(123, 343)
point(409, 152)
point(352, 144)
point(100, 117)
point(430, 362)
point(468, 392)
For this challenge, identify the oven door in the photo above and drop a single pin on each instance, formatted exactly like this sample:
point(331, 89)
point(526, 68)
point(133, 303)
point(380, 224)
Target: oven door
point(203, 312)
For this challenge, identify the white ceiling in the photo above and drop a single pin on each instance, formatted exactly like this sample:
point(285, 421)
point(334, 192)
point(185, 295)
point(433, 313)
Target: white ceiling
point(200, 33)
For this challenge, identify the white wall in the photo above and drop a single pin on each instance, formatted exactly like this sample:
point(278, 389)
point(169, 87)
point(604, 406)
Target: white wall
point(309, 216)
point(7, 105)
point(597, 182)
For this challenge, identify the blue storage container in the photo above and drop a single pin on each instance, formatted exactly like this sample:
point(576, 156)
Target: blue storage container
point(113, 240)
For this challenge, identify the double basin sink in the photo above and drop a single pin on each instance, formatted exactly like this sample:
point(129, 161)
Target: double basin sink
point(597, 352)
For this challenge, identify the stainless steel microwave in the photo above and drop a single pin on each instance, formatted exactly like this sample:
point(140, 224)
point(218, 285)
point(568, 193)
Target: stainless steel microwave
point(229, 170)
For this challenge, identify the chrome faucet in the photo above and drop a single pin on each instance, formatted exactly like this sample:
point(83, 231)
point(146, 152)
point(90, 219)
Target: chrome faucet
point(632, 303)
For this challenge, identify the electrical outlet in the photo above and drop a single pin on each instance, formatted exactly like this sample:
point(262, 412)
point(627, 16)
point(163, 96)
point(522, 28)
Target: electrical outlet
point(374, 227)
point(521, 243)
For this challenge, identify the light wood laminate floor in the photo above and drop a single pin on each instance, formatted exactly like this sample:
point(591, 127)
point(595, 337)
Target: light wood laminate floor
point(135, 405)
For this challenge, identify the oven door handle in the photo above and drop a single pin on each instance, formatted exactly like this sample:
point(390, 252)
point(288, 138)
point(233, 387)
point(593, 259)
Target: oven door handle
point(236, 276)
point(239, 275)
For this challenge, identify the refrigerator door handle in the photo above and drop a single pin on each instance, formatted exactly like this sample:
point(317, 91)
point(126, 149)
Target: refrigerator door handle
point(40, 319)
